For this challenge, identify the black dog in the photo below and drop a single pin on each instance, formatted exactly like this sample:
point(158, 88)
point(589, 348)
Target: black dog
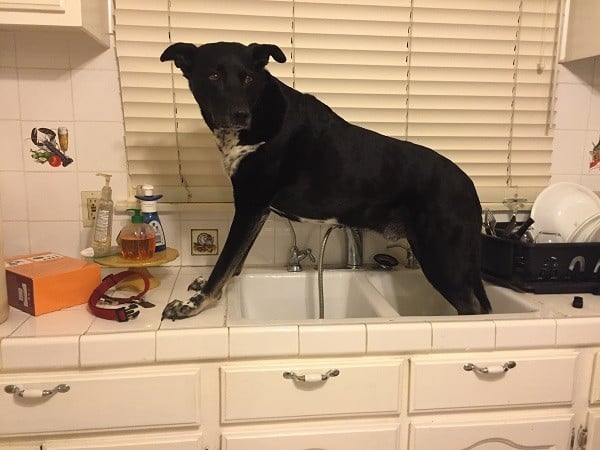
point(287, 152)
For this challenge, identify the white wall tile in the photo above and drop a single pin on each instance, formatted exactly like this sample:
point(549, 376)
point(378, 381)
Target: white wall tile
point(12, 146)
point(573, 106)
point(16, 238)
point(7, 49)
point(45, 94)
point(263, 250)
point(13, 198)
point(594, 119)
point(92, 103)
point(576, 72)
point(52, 196)
point(42, 49)
point(56, 236)
point(86, 54)
point(102, 146)
point(9, 93)
point(568, 152)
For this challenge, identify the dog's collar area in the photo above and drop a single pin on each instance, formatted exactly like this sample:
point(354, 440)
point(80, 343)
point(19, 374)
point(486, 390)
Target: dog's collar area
point(107, 307)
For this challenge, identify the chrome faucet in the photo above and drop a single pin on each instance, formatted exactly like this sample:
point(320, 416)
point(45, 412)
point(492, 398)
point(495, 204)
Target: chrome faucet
point(354, 247)
point(297, 255)
point(411, 260)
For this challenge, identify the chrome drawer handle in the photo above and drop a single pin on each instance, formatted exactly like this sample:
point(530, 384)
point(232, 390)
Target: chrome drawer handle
point(35, 393)
point(492, 369)
point(311, 378)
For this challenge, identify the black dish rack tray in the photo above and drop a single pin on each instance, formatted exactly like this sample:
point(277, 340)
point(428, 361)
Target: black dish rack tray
point(541, 268)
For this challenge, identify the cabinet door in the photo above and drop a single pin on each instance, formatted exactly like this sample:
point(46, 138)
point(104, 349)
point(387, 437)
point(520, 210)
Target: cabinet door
point(541, 434)
point(373, 437)
point(593, 426)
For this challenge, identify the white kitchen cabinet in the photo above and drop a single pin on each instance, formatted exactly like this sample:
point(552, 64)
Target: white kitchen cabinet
point(582, 30)
point(541, 434)
point(379, 437)
point(87, 18)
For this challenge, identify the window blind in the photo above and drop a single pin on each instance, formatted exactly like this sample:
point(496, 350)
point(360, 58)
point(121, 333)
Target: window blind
point(472, 79)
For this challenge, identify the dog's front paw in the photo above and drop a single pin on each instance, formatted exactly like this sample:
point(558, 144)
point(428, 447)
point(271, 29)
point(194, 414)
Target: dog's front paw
point(177, 309)
point(197, 285)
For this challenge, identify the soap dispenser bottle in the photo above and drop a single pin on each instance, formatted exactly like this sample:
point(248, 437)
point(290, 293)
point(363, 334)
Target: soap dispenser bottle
point(102, 231)
point(145, 194)
point(137, 239)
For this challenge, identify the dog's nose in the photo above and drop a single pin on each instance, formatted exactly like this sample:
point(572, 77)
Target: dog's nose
point(240, 117)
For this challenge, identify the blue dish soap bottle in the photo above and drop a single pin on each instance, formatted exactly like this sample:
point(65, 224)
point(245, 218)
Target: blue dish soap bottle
point(145, 194)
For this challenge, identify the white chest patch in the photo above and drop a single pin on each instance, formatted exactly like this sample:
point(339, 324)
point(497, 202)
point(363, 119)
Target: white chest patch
point(227, 141)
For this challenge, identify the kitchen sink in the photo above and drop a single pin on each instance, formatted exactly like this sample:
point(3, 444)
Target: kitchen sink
point(277, 296)
point(268, 295)
point(410, 294)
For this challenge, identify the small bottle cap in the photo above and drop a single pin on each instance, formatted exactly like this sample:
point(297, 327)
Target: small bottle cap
point(577, 302)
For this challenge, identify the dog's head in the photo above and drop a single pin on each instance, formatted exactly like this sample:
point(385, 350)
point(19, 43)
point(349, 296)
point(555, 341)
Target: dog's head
point(226, 78)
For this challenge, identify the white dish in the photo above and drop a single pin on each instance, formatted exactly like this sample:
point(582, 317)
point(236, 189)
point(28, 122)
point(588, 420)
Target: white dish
point(562, 208)
point(586, 230)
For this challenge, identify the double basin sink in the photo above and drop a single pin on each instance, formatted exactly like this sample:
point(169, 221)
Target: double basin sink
point(277, 296)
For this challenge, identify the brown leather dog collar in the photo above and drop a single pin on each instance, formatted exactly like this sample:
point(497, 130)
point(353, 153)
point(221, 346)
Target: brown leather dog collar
point(106, 307)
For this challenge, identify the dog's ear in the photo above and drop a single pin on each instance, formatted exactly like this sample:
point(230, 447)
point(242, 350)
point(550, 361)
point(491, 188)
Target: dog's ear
point(182, 54)
point(261, 53)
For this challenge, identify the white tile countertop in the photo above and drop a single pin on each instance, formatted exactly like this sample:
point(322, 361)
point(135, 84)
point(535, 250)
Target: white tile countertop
point(74, 338)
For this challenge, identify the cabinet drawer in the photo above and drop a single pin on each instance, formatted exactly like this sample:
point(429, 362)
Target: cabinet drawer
point(383, 437)
point(100, 399)
point(439, 383)
point(252, 392)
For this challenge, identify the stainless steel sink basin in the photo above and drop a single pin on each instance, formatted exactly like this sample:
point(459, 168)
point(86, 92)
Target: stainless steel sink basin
point(410, 294)
point(277, 296)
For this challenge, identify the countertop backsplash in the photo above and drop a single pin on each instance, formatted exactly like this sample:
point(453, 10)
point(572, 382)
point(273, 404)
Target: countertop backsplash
point(48, 80)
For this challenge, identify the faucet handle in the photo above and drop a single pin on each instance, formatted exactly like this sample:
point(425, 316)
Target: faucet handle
point(308, 253)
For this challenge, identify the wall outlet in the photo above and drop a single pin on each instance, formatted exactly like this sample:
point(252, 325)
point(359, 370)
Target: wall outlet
point(89, 206)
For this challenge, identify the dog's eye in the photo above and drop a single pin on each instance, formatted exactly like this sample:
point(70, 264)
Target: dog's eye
point(248, 79)
point(213, 77)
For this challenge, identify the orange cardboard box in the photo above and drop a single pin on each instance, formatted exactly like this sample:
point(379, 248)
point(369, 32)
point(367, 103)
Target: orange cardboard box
point(44, 282)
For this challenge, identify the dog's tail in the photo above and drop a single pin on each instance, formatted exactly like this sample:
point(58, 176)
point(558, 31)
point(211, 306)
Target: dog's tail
point(481, 295)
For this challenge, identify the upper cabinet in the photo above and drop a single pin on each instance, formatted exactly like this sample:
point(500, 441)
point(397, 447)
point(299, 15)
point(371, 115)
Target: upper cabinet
point(86, 17)
point(582, 30)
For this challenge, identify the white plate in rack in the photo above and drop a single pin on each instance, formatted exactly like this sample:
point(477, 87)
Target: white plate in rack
point(586, 231)
point(563, 208)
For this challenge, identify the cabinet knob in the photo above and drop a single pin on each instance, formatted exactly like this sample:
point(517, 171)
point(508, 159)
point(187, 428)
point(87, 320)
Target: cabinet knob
point(35, 393)
point(311, 378)
point(492, 369)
